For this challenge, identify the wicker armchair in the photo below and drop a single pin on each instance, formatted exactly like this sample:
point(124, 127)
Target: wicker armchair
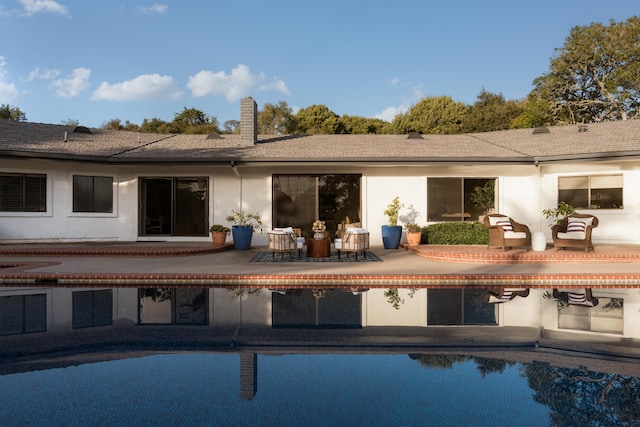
point(574, 232)
point(505, 233)
point(354, 240)
point(285, 240)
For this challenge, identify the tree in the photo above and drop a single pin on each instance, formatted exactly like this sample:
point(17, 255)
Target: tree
point(361, 125)
point(431, 115)
point(595, 76)
point(318, 119)
point(230, 126)
point(194, 121)
point(276, 119)
point(7, 112)
point(155, 125)
point(116, 124)
point(490, 112)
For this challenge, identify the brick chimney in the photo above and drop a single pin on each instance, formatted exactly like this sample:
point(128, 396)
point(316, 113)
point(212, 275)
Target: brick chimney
point(248, 121)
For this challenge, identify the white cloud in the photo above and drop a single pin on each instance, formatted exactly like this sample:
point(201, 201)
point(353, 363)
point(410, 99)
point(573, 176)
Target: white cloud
point(394, 81)
point(72, 85)
point(8, 91)
point(32, 7)
point(45, 74)
point(389, 113)
point(155, 9)
point(143, 87)
point(238, 84)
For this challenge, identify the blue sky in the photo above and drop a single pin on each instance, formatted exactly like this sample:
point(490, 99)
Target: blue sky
point(94, 61)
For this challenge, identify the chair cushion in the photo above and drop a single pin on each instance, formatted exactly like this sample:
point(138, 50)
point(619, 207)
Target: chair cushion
point(356, 230)
point(574, 235)
point(576, 226)
point(588, 221)
point(337, 243)
point(515, 235)
point(505, 224)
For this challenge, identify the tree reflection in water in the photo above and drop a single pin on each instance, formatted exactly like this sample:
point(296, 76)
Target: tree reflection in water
point(576, 397)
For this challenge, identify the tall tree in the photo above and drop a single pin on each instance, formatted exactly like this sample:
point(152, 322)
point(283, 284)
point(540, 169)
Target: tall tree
point(276, 119)
point(431, 115)
point(595, 76)
point(7, 112)
point(490, 112)
point(230, 126)
point(194, 121)
point(318, 119)
point(361, 125)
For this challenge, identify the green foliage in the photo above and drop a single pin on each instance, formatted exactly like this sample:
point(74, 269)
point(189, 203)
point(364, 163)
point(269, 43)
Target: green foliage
point(193, 121)
point(392, 211)
point(484, 197)
point(490, 112)
point(432, 115)
point(559, 213)
point(393, 298)
point(219, 228)
point(361, 125)
point(412, 228)
point(244, 218)
point(7, 112)
point(116, 124)
point(595, 76)
point(457, 233)
point(318, 119)
point(276, 119)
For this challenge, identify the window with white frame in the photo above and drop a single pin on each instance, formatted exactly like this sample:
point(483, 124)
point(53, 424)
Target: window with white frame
point(591, 192)
point(92, 194)
point(452, 199)
point(23, 192)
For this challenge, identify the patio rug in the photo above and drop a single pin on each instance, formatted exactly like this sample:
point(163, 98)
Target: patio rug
point(268, 257)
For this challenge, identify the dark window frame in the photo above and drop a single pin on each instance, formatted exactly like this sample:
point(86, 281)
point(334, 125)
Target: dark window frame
point(94, 319)
point(33, 307)
point(91, 201)
point(23, 192)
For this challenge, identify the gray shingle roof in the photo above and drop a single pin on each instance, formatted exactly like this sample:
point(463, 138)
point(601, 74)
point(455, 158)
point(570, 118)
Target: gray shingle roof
point(610, 139)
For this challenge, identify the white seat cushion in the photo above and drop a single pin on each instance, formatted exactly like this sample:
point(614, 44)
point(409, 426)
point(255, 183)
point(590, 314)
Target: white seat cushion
point(515, 235)
point(337, 243)
point(573, 235)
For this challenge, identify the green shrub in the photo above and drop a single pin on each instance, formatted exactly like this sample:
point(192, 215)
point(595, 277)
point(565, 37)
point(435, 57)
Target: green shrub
point(457, 233)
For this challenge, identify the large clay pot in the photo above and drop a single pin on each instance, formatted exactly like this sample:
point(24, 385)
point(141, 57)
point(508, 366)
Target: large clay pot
point(218, 237)
point(242, 235)
point(391, 235)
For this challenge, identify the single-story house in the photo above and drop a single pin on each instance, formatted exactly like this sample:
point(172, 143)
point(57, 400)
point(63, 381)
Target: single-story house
point(61, 183)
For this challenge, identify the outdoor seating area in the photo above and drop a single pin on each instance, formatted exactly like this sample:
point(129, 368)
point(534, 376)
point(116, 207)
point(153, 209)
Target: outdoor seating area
point(506, 233)
point(574, 231)
point(354, 240)
point(287, 240)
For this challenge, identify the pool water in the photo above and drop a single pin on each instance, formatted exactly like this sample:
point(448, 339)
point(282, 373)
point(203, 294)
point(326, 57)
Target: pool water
point(198, 389)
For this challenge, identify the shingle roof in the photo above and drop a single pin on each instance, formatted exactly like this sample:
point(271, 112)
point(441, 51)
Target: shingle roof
point(610, 139)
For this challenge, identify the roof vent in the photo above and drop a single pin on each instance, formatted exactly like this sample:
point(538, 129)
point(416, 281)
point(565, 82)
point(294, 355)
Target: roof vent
point(583, 128)
point(81, 129)
point(540, 129)
point(214, 136)
point(415, 135)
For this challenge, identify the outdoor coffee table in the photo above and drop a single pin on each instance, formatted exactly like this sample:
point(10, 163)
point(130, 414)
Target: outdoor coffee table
point(318, 248)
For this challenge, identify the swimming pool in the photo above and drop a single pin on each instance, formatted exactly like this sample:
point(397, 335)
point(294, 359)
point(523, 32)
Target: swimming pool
point(203, 388)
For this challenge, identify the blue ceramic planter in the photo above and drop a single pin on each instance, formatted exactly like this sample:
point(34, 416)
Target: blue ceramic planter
point(391, 235)
point(242, 235)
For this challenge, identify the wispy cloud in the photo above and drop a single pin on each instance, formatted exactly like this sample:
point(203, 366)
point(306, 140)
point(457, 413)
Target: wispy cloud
point(8, 91)
point(33, 7)
point(155, 9)
point(74, 84)
point(240, 83)
point(45, 74)
point(416, 93)
point(141, 88)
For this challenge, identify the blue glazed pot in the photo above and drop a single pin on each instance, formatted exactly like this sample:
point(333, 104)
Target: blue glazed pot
point(242, 236)
point(391, 235)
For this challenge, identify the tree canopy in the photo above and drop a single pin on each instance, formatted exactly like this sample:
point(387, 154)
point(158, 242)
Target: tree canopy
point(276, 119)
point(491, 112)
point(432, 115)
point(595, 76)
point(7, 112)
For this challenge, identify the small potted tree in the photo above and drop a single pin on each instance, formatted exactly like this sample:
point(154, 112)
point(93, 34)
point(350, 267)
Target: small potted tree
point(484, 197)
point(219, 234)
point(558, 214)
point(243, 225)
point(392, 233)
point(414, 234)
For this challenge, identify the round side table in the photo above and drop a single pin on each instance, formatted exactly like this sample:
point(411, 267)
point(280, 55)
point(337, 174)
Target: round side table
point(538, 241)
point(318, 248)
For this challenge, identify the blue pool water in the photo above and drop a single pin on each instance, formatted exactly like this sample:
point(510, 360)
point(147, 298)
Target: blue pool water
point(197, 389)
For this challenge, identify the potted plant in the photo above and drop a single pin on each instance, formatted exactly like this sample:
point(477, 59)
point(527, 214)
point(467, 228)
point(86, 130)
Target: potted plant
point(319, 227)
point(414, 234)
point(392, 233)
point(219, 234)
point(558, 214)
point(243, 224)
point(484, 197)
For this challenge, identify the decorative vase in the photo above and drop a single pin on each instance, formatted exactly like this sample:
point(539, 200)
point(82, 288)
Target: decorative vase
point(242, 236)
point(391, 235)
point(218, 237)
point(318, 235)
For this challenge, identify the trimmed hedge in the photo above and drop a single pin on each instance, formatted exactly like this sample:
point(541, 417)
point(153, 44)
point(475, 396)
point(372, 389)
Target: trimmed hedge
point(456, 233)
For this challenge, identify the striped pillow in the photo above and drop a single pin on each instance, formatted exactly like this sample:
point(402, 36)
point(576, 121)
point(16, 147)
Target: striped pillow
point(505, 224)
point(576, 227)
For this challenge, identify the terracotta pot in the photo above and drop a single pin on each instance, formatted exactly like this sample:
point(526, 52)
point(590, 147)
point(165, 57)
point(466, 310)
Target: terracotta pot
point(218, 237)
point(413, 239)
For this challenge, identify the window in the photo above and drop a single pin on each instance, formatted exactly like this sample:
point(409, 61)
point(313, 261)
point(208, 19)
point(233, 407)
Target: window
point(300, 308)
point(92, 194)
point(459, 307)
point(21, 314)
point(607, 316)
point(591, 192)
point(450, 199)
point(23, 193)
point(92, 308)
point(173, 306)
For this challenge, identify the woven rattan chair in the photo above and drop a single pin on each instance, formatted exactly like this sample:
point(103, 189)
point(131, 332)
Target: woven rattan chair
point(574, 232)
point(505, 233)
